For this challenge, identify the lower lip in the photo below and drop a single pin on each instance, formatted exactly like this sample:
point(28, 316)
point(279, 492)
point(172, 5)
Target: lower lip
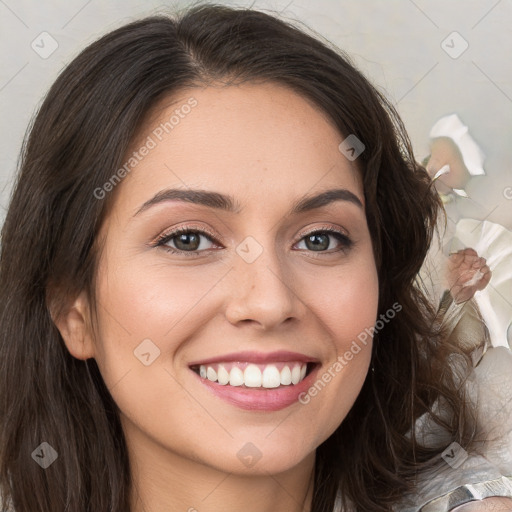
point(260, 399)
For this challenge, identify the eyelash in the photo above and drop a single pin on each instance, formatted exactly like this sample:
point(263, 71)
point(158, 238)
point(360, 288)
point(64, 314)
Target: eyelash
point(345, 241)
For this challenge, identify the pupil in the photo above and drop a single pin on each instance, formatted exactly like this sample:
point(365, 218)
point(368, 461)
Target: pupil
point(325, 245)
point(184, 238)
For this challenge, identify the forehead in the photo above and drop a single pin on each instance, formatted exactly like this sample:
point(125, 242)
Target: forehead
point(238, 139)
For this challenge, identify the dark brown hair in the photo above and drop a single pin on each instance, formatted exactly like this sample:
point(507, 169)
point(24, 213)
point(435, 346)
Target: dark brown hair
point(79, 138)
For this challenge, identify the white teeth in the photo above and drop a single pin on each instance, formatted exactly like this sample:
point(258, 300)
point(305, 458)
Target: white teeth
point(271, 377)
point(222, 375)
point(253, 377)
point(286, 376)
point(211, 374)
point(296, 375)
point(236, 376)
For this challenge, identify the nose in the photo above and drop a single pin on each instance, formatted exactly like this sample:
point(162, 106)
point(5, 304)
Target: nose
point(263, 292)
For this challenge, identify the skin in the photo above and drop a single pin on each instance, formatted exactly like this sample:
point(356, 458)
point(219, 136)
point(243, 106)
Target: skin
point(267, 147)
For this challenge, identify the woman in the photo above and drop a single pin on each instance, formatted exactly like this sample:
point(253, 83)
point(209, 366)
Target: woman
point(208, 276)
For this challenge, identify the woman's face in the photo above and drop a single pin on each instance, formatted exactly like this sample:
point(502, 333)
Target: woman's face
point(253, 300)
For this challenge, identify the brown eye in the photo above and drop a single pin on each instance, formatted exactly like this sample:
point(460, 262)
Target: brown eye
point(185, 241)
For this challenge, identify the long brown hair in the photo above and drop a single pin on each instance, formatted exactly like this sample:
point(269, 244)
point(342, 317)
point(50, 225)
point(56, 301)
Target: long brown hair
point(50, 249)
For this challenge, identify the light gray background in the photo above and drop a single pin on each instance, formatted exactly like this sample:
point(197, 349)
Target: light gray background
point(396, 43)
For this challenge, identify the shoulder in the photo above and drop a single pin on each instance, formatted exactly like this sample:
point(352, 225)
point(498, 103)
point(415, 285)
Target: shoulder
point(491, 495)
point(488, 505)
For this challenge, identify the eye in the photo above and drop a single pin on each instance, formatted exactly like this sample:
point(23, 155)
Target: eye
point(188, 241)
point(319, 240)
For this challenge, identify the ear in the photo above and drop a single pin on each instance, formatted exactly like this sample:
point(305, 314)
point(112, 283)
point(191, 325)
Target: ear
point(74, 326)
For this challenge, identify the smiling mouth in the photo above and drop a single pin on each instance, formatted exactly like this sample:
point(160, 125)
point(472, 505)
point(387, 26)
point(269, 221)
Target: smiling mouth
point(255, 376)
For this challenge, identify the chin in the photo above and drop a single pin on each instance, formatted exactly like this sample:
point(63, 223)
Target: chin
point(251, 460)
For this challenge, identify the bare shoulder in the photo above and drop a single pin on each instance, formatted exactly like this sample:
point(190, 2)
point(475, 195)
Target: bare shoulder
point(487, 505)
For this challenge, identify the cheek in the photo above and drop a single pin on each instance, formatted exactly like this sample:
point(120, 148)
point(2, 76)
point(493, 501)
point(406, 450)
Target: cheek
point(153, 302)
point(346, 309)
point(154, 299)
point(347, 300)
point(147, 314)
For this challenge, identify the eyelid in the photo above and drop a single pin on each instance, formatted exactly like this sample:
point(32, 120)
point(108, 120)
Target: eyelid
point(188, 227)
point(325, 227)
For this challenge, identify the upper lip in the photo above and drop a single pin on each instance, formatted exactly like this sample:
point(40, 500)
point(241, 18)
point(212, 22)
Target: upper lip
point(257, 357)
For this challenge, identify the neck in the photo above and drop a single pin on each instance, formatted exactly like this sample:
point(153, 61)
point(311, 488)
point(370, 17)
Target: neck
point(163, 480)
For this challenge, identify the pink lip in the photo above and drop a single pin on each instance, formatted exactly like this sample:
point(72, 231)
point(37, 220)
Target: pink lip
point(257, 357)
point(260, 399)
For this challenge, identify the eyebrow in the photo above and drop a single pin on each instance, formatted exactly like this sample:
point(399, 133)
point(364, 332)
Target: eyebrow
point(229, 204)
